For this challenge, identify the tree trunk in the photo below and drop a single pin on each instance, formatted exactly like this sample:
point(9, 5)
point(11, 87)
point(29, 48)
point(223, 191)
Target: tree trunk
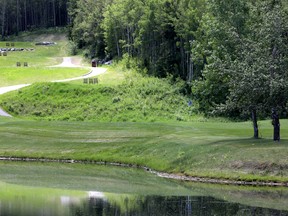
point(25, 15)
point(3, 18)
point(17, 17)
point(255, 125)
point(54, 13)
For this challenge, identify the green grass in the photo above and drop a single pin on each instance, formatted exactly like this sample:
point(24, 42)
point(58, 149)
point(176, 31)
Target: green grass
point(210, 149)
point(38, 60)
point(134, 99)
point(183, 143)
point(14, 76)
point(38, 35)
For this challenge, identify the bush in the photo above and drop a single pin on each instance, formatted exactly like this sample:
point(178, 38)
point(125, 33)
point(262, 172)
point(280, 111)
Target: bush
point(72, 48)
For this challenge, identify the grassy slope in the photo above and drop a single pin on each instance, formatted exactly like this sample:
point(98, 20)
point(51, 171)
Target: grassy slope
point(135, 99)
point(221, 150)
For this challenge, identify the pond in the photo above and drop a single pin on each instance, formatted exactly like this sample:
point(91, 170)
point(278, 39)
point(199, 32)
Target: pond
point(84, 189)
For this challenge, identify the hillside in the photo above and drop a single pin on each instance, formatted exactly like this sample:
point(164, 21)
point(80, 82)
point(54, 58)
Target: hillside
point(135, 99)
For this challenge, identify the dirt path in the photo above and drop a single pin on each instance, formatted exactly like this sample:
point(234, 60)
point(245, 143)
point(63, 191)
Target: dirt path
point(67, 62)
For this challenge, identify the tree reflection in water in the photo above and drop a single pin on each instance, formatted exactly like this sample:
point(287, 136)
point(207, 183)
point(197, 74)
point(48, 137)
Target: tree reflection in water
point(166, 206)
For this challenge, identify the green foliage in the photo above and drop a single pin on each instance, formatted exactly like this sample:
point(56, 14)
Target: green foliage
point(157, 33)
point(22, 15)
point(85, 29)
point(72, 48)
point(245, 51)
point(224, 50)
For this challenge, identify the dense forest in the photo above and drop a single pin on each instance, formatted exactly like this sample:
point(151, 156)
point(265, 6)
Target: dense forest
point(23, 15)
point(233, 54)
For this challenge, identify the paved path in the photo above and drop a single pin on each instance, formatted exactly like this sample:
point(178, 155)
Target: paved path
point(3, 113)
point(67, 62)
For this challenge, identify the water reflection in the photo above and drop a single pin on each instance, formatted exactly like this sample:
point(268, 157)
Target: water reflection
point(157, 205)
point(82, 190)
point(97, 203)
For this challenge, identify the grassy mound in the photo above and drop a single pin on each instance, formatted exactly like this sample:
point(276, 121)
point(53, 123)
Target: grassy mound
point(135, 99)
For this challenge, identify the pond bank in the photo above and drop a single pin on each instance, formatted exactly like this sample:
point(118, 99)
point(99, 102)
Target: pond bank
point(160, 174)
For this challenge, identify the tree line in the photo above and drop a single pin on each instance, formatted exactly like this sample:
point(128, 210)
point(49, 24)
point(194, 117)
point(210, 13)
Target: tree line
point(23, 15)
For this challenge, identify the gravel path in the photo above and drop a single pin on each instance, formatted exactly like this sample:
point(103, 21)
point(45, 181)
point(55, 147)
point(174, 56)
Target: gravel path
point(67, 62)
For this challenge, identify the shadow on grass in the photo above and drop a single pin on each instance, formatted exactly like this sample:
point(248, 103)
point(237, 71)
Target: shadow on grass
point(250, 142)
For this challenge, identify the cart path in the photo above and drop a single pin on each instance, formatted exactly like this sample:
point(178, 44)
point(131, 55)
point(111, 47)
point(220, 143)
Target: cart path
point(3, 113)
point(67, 62)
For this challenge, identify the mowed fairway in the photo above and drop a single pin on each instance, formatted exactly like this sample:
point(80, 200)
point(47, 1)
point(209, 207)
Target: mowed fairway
point(210, 149)
point(38, 58)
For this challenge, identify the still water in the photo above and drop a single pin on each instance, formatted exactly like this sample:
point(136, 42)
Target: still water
point(75, 189)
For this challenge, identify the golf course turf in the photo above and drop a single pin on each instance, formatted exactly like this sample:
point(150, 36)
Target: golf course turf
point(135, 120)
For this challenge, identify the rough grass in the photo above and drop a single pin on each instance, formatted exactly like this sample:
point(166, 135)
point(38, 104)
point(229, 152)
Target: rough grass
point(39, 35)
point(210, 149)
point(136, 99)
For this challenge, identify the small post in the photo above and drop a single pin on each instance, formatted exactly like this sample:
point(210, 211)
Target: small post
point(85, 80)
point(18, 64)
point(90, 81)
point(94, 63)
point(25, 64)
point(12, 44)
point(95, 80)
point(4, 53)
point(7, 44)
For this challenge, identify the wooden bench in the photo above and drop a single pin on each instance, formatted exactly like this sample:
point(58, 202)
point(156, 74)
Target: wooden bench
point(95, 80)
point(90, 81)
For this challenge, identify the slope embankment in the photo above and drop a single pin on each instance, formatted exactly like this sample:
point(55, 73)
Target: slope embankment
point(67, 62)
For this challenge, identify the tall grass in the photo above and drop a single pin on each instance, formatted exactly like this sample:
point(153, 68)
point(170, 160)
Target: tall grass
point(136, 99)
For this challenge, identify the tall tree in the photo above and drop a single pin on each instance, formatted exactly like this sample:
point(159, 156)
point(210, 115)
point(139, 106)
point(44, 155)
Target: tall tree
point(260, 76)
point(3, 17)
point(251, 63)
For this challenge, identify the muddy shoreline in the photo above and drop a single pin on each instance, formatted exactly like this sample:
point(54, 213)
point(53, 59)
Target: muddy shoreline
point(160, 174)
